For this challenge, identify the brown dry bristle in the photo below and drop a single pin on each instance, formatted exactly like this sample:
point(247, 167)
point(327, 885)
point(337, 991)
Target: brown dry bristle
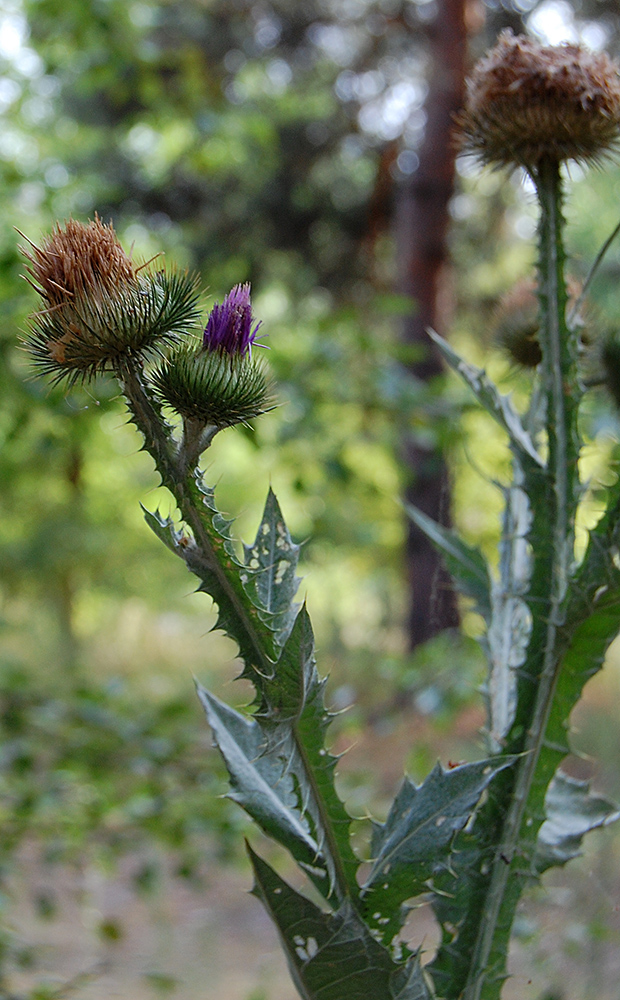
point(80, 260)
point(99, 309)
point(526, 102)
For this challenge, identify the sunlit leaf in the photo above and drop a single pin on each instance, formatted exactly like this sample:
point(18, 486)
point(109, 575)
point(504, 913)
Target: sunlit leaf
point(487, 394)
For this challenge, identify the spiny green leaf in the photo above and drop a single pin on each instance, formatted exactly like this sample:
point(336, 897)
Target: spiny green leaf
point(571, 812)
point(223, 579)
point(293, 716)
point(409, 983)
point(487, 394)
point(466, 564)
point(272, 561)
point(261, 782)
point(417, 835)
point(332, 956)
point(281, 772)
point(586, 648)
point(460, 888)
point(592, 622)
point(164, 528)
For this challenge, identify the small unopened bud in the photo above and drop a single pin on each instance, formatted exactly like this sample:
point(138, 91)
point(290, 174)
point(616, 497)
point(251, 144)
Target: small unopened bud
point(516, 321)
point(526, 102)
point(97, 306)
point(218, 383)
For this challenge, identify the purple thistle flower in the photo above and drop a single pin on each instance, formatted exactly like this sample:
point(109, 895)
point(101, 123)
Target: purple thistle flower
point(230, 328)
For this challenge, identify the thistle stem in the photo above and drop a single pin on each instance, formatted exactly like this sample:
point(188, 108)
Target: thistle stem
point(196, 438)
point(559, 385)
point(171, 462)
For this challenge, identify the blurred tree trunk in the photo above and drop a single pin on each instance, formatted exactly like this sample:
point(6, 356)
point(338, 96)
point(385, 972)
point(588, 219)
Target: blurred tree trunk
point(422, 220)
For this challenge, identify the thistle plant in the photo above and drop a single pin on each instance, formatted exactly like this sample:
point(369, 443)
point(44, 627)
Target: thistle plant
point(470, 838)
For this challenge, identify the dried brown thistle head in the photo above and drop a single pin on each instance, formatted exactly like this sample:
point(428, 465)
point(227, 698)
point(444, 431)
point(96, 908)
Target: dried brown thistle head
point(80, 260)
point(527, 102)
point(98, 308)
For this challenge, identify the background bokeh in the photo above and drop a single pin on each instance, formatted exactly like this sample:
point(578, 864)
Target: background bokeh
point(264, 142)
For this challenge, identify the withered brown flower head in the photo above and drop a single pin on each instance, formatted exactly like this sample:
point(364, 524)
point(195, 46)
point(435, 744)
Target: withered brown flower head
point(98, 308)
point(80, 260)
point(526, 102)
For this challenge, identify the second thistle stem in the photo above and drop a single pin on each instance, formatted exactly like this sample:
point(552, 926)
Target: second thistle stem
point(561, 392)
point(559, 375)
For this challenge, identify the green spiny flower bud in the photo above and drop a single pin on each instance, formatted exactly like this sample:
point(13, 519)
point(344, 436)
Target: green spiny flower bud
point(219, 383)
point(213, 388)
point(97, 306)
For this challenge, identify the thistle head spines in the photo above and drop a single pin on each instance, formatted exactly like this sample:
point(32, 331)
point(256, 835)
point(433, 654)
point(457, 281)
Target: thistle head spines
point(213, 388)
point(98, 307)
point(526, 102)
point(78, 260)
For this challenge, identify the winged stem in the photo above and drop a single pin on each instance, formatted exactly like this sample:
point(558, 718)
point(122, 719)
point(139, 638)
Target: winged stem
point(559, 386)
point(171, 464)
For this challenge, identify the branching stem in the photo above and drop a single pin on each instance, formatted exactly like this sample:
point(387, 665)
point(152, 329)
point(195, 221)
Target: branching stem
point(172, 464)
point(175, 462)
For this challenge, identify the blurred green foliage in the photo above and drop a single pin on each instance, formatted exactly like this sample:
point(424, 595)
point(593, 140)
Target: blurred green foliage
point(93, 768)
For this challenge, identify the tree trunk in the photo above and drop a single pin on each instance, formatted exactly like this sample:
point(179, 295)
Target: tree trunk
point(422, 220)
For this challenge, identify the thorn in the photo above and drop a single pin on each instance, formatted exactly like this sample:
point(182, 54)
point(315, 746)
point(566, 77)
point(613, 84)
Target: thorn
point(24, 237)
point(149, 261)
point(38, 290)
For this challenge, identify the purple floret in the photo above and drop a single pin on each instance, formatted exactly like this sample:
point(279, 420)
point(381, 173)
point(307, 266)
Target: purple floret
point(230, 328)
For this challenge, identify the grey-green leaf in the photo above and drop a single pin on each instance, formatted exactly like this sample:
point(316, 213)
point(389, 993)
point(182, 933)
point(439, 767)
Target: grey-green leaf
point(572, 811)
point(486, 392)
point(510, 627)
point(466, 564)
point(294, 720)
point(260, 780)
point(270, 578)
point(416, 837)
